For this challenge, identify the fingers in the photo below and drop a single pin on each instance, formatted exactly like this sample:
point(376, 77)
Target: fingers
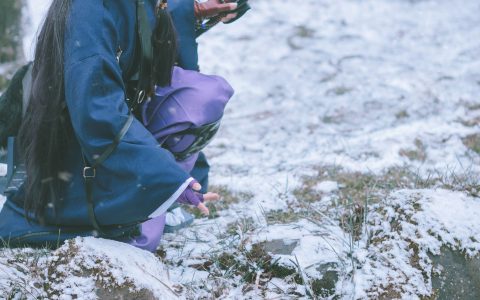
point(207, 197)
point(196, 186)
point(212, 8)
point(203, 208)
point(226, 7)
point(211, 196)
point(228, 17)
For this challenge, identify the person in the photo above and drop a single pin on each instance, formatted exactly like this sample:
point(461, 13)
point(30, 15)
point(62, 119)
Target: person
point(93, 168)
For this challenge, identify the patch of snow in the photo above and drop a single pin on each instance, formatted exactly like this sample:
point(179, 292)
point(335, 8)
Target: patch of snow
point(34, 12)
point(3, 170)
point(82, 266)
point(327, 187)
point(119, 263)
point(404, 229)
point(2, 201)
point(453, 217)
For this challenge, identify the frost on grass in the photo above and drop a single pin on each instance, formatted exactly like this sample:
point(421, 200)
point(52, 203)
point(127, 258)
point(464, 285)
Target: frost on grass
point(85, 268)
point(403, 231)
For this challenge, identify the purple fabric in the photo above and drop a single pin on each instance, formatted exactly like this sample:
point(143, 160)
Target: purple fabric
point(189, 196)
point(152, 231)
point(188, 163)
point(193, 100)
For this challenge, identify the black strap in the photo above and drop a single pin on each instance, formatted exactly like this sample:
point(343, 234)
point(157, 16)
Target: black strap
point(144, 32)
point(90, 172)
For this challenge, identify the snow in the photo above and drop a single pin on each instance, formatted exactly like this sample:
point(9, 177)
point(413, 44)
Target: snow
point(2, 201)
point(454, 217)
point(36, 11)
point(332, 96)
point(442, 217)
point(327, 186)
point(124, 265)
point(68, 270)
point(3, 169)
point(323, 83)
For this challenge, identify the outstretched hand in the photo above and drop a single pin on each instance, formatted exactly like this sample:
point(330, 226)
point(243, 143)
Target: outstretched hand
point(210, 8)
point(192, 196)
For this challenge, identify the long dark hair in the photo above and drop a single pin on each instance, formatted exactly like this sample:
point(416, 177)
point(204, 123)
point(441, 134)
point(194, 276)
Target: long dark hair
point(164, 43)
point(46, 128)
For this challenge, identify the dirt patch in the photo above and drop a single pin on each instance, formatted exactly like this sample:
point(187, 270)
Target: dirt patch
point(417, 154)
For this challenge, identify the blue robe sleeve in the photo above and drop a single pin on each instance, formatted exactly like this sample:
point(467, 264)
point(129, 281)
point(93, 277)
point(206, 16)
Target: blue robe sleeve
point(184, 18)
point(139, 177)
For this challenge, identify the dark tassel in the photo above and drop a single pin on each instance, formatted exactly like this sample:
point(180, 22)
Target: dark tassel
point(164, 43)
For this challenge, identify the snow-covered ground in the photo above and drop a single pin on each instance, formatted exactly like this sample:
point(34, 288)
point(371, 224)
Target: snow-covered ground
point(329, 93)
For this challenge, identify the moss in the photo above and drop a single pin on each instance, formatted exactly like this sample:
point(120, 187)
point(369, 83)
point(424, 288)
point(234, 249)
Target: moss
point(472, 142)
point(283, 217)
point(249, 265)
point(281, 271)
point(403, 114)
point(325, 287)
point(226, 261)
point(339, 91)
point(332, 119)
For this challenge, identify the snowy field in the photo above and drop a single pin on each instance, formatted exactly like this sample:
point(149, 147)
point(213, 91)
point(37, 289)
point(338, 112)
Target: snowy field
point(348, 160)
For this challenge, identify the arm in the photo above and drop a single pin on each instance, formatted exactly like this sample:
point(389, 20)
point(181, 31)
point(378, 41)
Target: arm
point(141, 179)
point(183, 16)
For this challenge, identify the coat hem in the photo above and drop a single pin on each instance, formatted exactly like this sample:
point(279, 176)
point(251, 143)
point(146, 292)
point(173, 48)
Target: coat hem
point(163, 208)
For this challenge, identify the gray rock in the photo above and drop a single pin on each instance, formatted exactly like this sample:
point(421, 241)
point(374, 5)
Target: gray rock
point(284, 247)
point(459, 276)
point(325, 286)
point(124, 294)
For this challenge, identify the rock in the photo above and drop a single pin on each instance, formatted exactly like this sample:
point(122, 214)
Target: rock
point(458, 277)
point(87, 268)
point(284, 247)
point(124, 293)
point(325, 286)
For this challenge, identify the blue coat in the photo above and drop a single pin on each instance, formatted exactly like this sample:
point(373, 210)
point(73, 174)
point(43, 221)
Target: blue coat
point(139, 179)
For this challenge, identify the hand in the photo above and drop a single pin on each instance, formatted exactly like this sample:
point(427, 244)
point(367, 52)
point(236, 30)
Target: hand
point(193, 197)
point(212, 8)
point(228, 18)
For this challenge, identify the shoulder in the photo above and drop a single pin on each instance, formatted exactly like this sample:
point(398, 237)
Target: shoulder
point(95, 27)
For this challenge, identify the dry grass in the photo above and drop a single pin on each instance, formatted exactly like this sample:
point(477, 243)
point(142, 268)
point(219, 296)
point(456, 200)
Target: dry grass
point(417, 154)
point(227, 199)
point(472, 142)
